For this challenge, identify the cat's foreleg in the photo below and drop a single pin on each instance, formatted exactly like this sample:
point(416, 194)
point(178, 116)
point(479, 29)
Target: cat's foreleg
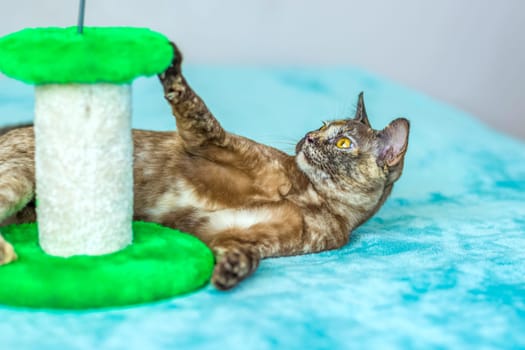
point(195, 123)
point(238, 251)
point(15, 192)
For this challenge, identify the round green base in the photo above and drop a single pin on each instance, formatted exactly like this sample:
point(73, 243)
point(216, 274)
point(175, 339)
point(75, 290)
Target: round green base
point(161, 263)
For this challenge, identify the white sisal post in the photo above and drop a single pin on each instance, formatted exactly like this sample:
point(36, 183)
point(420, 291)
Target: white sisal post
point(84, 168)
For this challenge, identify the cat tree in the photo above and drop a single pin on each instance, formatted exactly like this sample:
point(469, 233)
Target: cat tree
point(84, 173)
point(83, 143)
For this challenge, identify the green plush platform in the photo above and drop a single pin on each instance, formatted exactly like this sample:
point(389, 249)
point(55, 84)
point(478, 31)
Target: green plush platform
point(161, 263)
point(99, 55)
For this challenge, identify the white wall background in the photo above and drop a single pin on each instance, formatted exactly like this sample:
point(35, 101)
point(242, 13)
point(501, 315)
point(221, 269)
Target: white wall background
point(469, 53)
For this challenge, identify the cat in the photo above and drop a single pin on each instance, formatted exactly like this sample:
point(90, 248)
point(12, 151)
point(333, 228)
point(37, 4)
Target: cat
point(245, 200)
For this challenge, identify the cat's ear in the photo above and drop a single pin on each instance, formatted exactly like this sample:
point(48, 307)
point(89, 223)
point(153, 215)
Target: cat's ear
point(360, 113)
point(393, 142)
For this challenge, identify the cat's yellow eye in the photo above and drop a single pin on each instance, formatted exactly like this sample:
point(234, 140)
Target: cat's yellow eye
point(343, 142)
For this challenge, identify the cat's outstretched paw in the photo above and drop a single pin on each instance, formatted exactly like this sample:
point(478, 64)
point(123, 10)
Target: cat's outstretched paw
point(232, 268)
point(7, 252)
point(174, 85)
point(169, 77)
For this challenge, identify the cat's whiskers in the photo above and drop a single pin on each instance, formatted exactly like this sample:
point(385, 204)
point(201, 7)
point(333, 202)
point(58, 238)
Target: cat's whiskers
point(286, 144)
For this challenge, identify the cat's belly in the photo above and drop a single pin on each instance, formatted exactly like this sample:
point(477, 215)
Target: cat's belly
point(181, 208)
point(227, 219)
point(206, 223)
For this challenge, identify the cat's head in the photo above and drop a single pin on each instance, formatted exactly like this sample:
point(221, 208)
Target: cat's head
point(351, 151)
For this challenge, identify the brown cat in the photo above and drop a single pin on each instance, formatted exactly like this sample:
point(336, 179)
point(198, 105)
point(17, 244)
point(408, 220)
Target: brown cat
point(247, 201)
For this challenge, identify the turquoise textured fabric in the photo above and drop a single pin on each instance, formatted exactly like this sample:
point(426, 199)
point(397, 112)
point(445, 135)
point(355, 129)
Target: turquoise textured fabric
point(442, 265)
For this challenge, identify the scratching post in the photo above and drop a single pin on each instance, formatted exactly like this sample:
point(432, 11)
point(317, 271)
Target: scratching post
point(84, 168)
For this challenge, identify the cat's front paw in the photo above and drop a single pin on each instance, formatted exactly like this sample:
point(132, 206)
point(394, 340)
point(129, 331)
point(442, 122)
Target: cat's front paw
point(173, 83)
point(232, 268)
point(174, 69)
point(7, 252)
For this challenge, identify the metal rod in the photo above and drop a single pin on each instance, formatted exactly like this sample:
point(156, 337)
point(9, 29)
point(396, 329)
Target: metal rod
point(80, 26)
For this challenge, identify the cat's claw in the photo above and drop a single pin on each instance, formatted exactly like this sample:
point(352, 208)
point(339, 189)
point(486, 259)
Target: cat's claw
point(171, 79)
point(174, 68)
point(7, 252)
point(177, 56)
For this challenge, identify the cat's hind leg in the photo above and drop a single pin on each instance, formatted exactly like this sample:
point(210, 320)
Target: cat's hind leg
point(195, 123)
point(7, 252)
point(17, 180)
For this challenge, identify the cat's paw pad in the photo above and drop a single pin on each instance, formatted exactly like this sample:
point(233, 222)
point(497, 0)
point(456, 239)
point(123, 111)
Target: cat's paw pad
point(232, 268)
point(7, 252)
point(173, 85)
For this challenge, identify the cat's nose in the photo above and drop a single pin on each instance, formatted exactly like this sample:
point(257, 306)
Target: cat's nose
point(310, 138)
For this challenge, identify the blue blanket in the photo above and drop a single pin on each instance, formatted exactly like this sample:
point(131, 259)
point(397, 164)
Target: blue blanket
point(442, 265)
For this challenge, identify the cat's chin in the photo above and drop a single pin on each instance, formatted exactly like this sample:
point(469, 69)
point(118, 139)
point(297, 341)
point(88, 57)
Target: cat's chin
point(300, 156)
point(312, 172)
point(301, 161)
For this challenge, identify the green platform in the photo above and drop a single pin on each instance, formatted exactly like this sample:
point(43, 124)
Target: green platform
point(161, 263)
point(100, 55)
